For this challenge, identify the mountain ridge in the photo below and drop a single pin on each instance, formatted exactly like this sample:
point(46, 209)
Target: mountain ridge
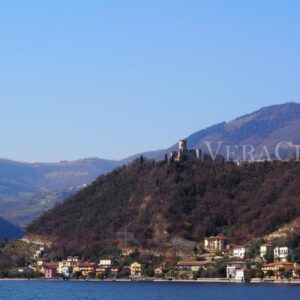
point(266, 126)
point(29, 189)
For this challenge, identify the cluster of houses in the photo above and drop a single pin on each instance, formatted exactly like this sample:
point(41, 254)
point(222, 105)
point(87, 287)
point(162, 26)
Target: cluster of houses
point(73, 267)
point(221, 243)
point(239, 270)
point(238, 263)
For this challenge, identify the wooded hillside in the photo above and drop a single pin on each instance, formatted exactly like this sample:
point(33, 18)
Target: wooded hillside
point(154, 202)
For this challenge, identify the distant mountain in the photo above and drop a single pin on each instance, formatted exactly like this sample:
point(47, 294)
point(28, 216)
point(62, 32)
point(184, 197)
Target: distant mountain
point(28, 189)
point(267, 126)
point(9, 231)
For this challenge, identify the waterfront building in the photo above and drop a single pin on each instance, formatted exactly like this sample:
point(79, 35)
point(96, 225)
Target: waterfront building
point(50, 270)
point(105, 263)
point(242, 274)
point(277, 269)
point(296, 271)
point(68, 265)
point(87, 268)
point(136, 269)
point(107, 266)
point(233, 267)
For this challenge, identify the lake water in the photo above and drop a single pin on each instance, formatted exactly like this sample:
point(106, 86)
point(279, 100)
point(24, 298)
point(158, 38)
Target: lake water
point(35, 290)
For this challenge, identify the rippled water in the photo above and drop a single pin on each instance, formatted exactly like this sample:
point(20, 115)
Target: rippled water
point(36, 290)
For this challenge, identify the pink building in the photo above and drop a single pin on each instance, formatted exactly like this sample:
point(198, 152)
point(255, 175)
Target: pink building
point(50, 270)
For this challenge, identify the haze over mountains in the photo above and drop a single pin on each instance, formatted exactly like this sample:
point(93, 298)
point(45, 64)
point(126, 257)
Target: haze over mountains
point(267, 126)
point(9, 230)
point(28, 189)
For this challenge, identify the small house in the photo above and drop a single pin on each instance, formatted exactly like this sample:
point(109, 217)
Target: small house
point(50, 270)
point(240, 251)
point(233, 268)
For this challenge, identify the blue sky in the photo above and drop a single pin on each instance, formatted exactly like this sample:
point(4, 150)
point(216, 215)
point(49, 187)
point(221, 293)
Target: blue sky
point(112, 78)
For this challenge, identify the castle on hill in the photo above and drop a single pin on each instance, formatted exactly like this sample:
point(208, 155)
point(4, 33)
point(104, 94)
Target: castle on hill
point(184, 154)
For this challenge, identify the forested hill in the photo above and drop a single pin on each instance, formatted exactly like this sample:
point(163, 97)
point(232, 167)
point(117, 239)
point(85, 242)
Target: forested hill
point(29, 189)
point(156, 201)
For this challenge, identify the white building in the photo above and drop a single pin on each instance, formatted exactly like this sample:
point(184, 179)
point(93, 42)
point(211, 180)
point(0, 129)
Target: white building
point(282, 254)
point(264, 250)
point(105, 263)
point(242, 274)
point(233, 267)
point(240, 251)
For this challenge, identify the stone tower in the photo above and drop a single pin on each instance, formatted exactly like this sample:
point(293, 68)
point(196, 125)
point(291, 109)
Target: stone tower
point(182, 145)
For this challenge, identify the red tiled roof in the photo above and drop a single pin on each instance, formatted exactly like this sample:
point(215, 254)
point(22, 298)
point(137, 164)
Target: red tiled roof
point(236, 263)
point(240, 246)
point(87, 265)
point(53, 265)
point(268, 245)
point(278, 264)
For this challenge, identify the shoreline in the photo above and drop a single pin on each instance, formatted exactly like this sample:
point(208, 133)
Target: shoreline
point(151, 280)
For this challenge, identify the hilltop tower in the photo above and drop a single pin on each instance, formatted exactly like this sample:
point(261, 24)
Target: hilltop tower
point(182, 145)
point(184, 153)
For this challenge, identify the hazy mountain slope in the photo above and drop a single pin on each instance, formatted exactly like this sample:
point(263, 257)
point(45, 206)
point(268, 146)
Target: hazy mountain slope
point(159, 201)
point(10, 231)
point(267, 126)
point(28, 189)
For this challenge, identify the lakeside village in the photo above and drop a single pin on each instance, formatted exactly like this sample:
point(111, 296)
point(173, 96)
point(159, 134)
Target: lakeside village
point(220, 260)
point(215, 258)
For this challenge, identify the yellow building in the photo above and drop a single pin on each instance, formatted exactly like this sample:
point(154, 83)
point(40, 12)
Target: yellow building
point(71, 263)
point(136, 269)
point(40, 263)
point(87, 268)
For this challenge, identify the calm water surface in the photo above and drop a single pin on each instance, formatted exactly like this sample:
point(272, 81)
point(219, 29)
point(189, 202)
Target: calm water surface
point(36, 290)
